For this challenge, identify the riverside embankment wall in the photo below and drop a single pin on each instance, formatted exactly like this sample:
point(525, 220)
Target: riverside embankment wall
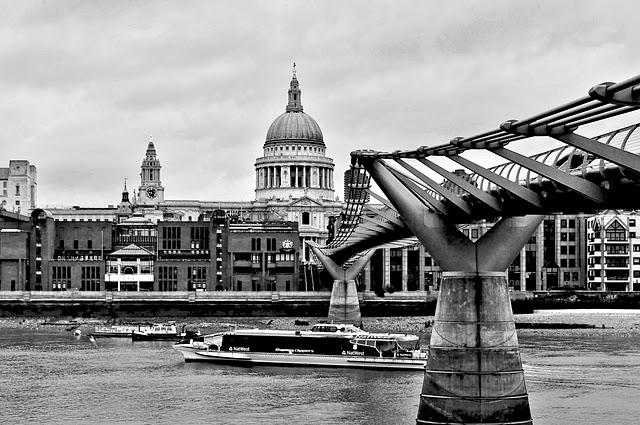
point(293, 304)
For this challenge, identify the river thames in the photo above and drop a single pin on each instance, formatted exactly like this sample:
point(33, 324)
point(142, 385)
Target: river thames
point(50, 376)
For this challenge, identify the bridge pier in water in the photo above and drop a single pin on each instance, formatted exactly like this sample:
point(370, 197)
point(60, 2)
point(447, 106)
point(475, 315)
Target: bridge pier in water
point(474, 372)
point(344, 306)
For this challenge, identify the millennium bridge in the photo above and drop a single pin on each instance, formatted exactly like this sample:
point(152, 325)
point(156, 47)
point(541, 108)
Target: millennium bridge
point(474, 373)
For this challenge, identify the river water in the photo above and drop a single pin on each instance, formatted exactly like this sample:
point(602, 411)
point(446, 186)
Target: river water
point(49, 376)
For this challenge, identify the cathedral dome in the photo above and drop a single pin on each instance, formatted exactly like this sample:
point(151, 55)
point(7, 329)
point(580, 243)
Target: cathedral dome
point(296, 126)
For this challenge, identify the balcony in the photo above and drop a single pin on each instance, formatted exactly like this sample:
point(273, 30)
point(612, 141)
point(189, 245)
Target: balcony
point(616, 263)
point(616, 253)
point(113, 277)
point(138, 240)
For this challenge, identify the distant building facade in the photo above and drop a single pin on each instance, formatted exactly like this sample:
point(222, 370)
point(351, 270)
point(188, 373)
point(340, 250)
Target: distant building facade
point(613, 251)
point(38, 252)
point(18, 187)
point(554, 258)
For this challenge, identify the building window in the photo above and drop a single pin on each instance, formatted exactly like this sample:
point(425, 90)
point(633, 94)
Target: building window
point(168, 278)
point(466, 232)
point(171, 237)
point(271, 244)
point(616, 232)
point(563, 262)
point(574, 276)
point(572, 237)
point(89, 244)
point(563, 249)
point(636, 273)
point(90, 278)
point(197, 278)
point(474, 233)
point(572, 262)
point(566, 276)
point(61, 244)
point(200, 238)
point(17, 190)
point(563, 224)
point(61, 278)
point(636, 260)
point(572, 250)
point(632, 222)
point(563, 236)
point(75, 244)
point(305, 218)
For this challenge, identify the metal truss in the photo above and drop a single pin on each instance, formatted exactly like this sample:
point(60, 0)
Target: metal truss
point(586, 174)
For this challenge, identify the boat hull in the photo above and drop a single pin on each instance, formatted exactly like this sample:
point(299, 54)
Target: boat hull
point(144, 336)
point(111, 334)
point(301, 360)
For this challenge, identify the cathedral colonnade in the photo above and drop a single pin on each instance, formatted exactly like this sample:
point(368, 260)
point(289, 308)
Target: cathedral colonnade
point(303, 176)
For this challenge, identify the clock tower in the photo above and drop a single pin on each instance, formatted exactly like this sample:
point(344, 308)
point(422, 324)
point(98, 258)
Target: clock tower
point(151, 190)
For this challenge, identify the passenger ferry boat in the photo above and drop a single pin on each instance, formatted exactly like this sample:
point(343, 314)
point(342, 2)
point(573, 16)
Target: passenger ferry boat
point(323, 345)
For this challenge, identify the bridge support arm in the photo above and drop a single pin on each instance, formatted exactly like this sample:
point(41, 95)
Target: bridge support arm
point(334, 270)
point(451, 249)
point(497, 248)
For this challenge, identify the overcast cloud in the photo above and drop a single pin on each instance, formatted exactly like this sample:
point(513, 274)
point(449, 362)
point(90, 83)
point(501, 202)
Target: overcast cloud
point(83, 84)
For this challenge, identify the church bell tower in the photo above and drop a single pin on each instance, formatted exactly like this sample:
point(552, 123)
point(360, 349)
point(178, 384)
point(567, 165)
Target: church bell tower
point(151, 190)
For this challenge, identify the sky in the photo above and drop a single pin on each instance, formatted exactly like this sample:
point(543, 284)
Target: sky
point(83, 84)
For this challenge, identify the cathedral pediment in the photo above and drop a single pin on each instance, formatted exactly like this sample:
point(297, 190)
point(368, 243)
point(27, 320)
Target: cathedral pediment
point(305, 201)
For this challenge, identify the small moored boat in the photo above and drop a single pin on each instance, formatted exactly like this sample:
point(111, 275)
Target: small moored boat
point(119, 331)
point(163, 331)
point(324, 344)
point(157, 331)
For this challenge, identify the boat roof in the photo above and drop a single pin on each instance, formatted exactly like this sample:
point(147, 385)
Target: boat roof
point(360, 334)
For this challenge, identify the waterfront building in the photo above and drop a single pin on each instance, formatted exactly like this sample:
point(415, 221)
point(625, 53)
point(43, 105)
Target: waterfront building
point(18, 186)
point(15, 251)
point(613, 251)
point(141, 254)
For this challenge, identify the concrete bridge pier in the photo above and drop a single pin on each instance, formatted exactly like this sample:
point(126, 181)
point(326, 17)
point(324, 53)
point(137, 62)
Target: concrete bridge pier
point(474, 373)
point(344, 306)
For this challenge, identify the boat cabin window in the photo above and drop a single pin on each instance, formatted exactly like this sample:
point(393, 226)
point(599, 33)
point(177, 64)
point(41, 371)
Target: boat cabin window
point(386, 348)
point(324, 328)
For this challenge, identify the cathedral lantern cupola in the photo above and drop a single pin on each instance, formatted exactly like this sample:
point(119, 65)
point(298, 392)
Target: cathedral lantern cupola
point(295, 95)
point(151, 190)
point(125, 208)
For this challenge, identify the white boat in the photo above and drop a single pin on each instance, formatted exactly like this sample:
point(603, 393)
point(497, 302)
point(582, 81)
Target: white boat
point(157, 331)
point(324, 344)
point(162, 331)
point(120, 331)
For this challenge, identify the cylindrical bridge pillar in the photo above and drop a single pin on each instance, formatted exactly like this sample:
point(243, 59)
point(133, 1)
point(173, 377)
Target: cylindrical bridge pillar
point(474, 373)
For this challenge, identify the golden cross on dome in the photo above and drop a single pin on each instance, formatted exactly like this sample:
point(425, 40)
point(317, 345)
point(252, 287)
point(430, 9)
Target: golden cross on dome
point(294, 70)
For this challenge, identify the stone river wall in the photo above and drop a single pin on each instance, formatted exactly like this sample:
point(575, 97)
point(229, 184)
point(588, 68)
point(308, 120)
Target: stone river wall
point(291, 304)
